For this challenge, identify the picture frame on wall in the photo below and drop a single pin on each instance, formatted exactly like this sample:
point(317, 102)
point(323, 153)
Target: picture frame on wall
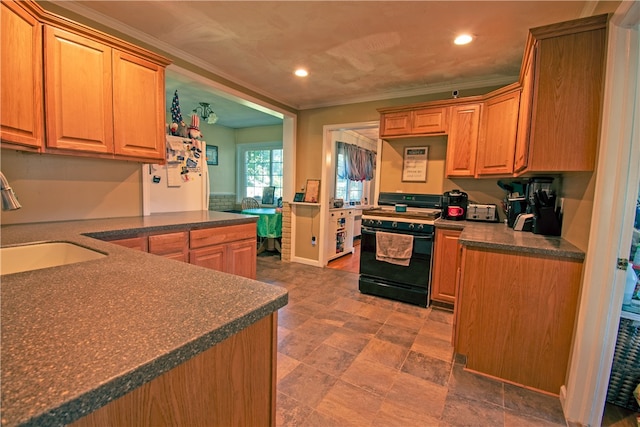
point(312, 191)
point(414, 164)
point(212, 155)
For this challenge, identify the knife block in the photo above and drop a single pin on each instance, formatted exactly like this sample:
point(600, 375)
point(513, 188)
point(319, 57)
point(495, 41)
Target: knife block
point(546, 222)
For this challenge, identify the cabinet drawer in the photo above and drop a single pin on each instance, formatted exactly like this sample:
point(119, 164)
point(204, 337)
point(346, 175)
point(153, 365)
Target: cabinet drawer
point(217, 235)
point(138, 243)
point(170, 243)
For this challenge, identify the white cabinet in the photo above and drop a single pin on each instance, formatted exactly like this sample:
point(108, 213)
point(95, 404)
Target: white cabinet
point(341, 232)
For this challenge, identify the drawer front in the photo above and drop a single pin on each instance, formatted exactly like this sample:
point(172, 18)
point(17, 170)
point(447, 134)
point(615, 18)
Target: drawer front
point(216, 235)
point(137, 243)
point(170, 243)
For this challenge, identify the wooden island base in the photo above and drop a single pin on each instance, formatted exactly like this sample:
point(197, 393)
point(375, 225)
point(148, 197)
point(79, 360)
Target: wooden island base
point(232, 383)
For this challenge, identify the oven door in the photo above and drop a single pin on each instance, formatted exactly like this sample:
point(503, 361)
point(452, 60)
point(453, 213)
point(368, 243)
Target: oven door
point(416, 274)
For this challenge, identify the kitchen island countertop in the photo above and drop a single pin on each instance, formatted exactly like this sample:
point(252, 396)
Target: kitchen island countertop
point(499, 236)
point(76, 337)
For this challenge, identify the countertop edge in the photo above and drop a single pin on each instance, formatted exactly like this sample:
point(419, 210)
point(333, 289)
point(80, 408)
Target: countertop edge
point(498, 236)
point(95, 399)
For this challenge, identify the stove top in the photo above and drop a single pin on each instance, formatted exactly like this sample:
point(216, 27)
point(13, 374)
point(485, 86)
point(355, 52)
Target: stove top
point(420, 208)
point(409, 215)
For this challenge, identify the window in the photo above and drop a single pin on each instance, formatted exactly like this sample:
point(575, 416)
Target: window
point(259, 166)
point(346, 189)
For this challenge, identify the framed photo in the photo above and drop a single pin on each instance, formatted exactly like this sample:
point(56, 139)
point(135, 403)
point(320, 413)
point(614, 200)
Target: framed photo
point(414, 164)
point(312, 191)
point(212, 155)
point(298, 197)
point(267, 195)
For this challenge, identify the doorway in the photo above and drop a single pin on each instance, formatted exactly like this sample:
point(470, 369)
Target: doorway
point(365, 135)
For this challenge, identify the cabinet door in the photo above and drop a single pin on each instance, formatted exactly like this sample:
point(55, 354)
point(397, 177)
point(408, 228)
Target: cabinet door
point(170, 245)
point(429, 120)
point(567, 102)
point(524, 116)
point(394, 124)
point(445, 266)
point(498, 134)
point(463, 140)
point(78, 92)
point(139, 107)
point(21, 121)
point(213, 257)
point(241, 258)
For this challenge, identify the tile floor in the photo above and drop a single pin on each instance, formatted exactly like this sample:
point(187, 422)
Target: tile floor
point(349, 359)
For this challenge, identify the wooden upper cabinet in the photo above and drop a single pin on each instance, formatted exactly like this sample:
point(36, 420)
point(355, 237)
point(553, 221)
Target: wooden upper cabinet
point(21, 121)
point(78, 92)
point(70, 89)
point(521, 155)
point(429, 121)
point(421, 121)
point(498, 133)
point(463, 140)
point(567, 95)
point(139, 105)
point(395, 124)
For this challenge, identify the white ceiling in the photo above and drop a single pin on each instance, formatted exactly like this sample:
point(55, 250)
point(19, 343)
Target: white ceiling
point(354, 50)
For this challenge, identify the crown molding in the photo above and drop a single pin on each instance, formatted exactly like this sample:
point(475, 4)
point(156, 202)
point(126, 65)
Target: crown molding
point(427, 90)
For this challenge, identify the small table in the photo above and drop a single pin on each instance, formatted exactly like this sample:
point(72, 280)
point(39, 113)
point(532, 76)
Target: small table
point(269, 227)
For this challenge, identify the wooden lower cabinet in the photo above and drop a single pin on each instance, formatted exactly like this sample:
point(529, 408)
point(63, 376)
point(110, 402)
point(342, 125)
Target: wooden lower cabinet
point(231, 384)
point(171, 245)
point(445, 265)
point(515, 315)
point(231, 249)
point(139, 243)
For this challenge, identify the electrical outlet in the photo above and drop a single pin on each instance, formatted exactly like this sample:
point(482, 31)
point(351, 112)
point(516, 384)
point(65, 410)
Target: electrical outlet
point(313, 240)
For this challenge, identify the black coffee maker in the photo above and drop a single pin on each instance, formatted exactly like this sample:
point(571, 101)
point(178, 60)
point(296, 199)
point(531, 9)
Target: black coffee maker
point(454, 205)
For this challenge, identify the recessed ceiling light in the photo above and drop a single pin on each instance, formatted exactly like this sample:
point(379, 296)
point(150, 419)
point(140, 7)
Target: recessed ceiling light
point(463, 39)
point(301, 72)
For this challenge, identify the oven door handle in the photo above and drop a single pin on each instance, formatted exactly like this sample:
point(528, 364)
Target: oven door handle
point(372, 232)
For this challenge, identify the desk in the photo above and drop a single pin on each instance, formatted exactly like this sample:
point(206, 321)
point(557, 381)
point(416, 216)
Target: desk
point(269, 227)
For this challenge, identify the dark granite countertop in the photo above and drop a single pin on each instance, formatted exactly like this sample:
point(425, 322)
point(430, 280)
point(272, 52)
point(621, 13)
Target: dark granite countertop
point(75, 337)
point(499, 236)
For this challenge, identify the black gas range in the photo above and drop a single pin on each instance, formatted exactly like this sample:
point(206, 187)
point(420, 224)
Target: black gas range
point(399, 267)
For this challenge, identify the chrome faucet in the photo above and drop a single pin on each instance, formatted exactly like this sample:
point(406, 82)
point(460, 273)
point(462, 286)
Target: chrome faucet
point(9, 200)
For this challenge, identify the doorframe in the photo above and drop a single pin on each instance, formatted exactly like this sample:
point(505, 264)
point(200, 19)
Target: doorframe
point(616, 189)
point(328, 166)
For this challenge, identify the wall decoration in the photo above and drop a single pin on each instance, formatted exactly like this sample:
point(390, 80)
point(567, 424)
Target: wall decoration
point(414, 165)
point(212, 155)
point(312, 191)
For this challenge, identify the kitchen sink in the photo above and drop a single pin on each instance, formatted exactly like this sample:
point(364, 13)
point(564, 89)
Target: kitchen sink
point(35, 256)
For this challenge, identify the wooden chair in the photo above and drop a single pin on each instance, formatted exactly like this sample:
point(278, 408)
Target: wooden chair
point(250, 203)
